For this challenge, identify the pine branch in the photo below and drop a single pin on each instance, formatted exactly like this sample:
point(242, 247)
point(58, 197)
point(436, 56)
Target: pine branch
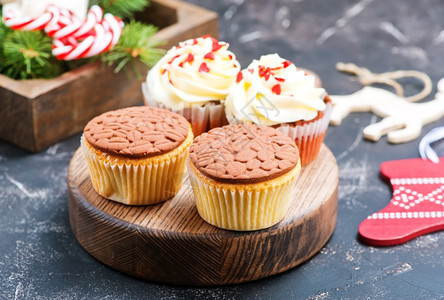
point(135, 43)
point(27, 55)
point(123, 8)
point(4, 31)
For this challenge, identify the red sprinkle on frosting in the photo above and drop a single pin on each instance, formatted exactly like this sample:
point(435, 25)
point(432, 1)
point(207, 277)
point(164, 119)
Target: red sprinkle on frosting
point(171, 61)
point(276, 89)
point(264, 72)
point(190, 58)
point(216, 46)
point(279, 79)
point(276, 68)
point(209, 55)
point(286, 63)
point(239, 77)
point(204, 68)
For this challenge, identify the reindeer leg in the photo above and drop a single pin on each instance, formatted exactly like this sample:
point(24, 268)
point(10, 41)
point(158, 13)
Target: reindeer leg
point(342, 107)
point(375, 131)
point(411, 131)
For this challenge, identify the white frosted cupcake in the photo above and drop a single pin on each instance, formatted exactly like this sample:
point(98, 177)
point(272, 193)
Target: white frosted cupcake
point(191, 80)
point(272, 92)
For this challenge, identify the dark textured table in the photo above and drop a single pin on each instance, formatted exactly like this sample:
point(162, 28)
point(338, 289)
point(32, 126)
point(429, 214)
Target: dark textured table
point(40, 258)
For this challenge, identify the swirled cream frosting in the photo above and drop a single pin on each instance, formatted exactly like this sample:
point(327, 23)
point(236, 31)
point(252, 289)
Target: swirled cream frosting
point(273, 91)
point(194, 72)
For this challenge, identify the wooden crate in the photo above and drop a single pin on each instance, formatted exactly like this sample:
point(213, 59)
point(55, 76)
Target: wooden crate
point(35, 114)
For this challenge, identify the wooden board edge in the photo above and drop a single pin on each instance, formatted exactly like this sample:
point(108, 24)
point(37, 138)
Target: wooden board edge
point(328, 211)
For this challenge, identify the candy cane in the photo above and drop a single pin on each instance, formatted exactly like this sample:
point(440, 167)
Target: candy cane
point(94, 16)
point(50, 17)
point(72, 39)
point(24, 23)
point(105, 36)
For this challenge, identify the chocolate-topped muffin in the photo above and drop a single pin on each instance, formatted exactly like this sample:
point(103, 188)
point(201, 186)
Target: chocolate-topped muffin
point(137, 155)
point(243, 175)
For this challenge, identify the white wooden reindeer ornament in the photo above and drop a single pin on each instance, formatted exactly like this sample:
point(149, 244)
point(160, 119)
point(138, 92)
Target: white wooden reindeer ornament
point(402, 120)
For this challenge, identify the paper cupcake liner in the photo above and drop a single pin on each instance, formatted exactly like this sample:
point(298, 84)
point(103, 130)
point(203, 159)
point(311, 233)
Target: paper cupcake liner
point(202, 117)
point(243, 207)
point(308, 137)
point(136, 184)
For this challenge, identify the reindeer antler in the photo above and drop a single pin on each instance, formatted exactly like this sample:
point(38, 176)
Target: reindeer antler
point(402, 121)
point(366, 77)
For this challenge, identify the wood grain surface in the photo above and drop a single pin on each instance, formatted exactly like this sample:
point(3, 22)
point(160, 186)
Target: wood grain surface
point(170, 243)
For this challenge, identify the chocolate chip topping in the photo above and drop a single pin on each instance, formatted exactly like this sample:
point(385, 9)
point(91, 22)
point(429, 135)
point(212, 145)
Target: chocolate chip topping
point(137, 132)
point(244, 153)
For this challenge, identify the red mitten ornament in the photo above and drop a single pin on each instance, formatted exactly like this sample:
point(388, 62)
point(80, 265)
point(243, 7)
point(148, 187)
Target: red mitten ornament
point(417, 205)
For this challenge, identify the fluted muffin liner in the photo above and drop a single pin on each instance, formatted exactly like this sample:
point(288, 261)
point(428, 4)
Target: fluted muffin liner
point(243, 207)
point(142, 181)
point(308, 137)
point(202, 117)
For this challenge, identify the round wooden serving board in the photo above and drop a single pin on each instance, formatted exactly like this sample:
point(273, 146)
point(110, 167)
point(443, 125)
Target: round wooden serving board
point(170, 243)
